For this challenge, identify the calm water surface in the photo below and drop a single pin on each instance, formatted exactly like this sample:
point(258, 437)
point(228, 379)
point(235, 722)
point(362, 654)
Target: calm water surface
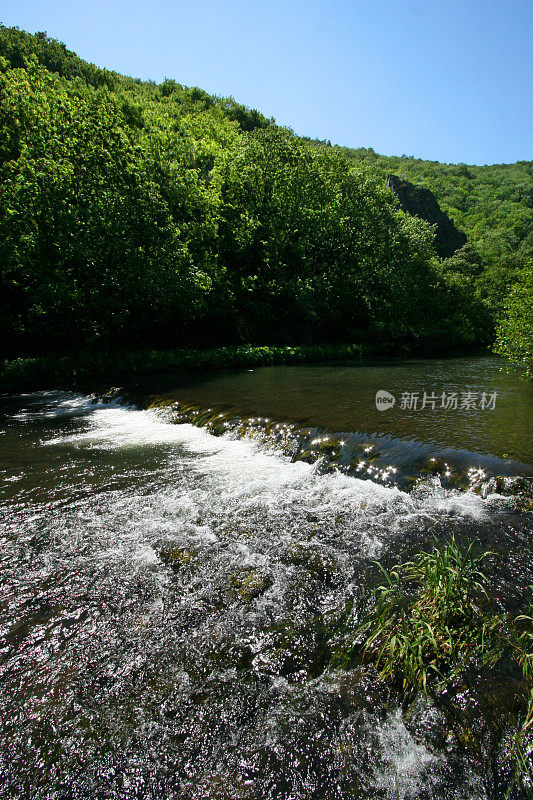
point(342, 398)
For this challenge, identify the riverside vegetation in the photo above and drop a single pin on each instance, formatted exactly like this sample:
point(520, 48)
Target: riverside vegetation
point(136, 215)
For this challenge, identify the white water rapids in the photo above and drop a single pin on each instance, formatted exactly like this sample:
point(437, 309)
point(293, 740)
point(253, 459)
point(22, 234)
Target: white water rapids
point(167, 602)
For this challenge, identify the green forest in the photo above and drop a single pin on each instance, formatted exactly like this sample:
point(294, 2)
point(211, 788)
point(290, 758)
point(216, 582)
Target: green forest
point(136, 214)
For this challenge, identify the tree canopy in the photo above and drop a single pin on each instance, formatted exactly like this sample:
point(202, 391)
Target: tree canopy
point(140, 214)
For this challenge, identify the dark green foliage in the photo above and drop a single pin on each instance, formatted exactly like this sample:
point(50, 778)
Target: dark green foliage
point(314, 248)
point(491, 204)
point(135, 215)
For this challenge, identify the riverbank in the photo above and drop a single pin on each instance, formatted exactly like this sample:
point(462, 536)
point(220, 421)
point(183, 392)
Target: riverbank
point(86, 369)
point(76, 370)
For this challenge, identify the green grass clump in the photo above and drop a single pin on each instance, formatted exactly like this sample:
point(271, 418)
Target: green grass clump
point(524, 644)
point(430, 618)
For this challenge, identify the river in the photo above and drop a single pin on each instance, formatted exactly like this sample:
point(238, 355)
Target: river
point(170, 598)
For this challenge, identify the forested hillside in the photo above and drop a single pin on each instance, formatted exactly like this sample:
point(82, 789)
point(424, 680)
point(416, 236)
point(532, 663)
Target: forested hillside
point(137, 214)
point(491, 204)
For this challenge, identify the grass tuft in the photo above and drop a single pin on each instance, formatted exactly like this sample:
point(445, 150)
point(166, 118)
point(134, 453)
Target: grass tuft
point(430, 618)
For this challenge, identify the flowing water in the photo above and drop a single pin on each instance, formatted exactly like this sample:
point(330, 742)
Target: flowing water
point(171, 599)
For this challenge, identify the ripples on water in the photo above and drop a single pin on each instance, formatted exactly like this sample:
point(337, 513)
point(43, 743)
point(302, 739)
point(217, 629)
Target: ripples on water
point(169, 601)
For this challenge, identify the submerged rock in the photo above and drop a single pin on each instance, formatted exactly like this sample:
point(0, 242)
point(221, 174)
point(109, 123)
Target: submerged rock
point(518, 488)
point(248, 584)
point(177, 558)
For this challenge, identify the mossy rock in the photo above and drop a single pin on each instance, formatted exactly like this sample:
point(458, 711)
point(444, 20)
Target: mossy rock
point(363, 689)
point(298, 652)
point(177, 558)
point(316, 561)
point(249, 584)
point(226, 787)
point(159, 402)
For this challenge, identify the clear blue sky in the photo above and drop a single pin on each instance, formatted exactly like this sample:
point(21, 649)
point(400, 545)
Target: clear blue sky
point(449, 80)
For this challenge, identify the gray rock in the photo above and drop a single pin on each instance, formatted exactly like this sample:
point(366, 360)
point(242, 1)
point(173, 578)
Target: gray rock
point(421, 203)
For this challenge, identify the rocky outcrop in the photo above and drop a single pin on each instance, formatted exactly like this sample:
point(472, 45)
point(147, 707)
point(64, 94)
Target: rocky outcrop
point(422, 203)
